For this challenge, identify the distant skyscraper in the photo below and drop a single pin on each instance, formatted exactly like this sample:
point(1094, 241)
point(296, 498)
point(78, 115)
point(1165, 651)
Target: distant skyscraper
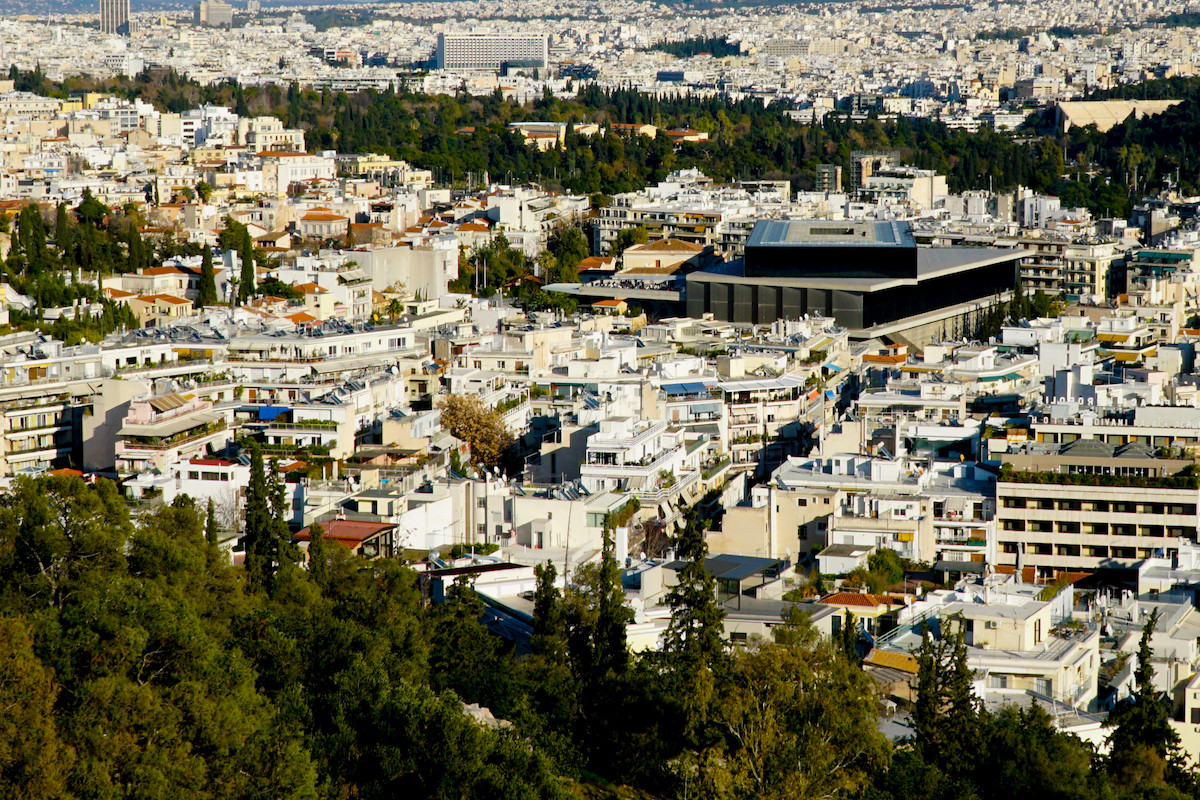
point(214, 14)
point(114, 17)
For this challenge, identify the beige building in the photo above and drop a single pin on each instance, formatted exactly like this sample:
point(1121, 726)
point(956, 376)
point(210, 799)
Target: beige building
point(1060, 526)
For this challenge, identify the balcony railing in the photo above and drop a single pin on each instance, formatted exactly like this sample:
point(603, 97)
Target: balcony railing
point(162, 443)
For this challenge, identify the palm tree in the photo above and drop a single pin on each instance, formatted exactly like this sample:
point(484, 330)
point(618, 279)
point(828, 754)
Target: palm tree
point(395, 308)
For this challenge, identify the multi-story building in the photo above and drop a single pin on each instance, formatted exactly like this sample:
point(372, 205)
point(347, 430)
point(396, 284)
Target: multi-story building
point(163, 430)
point(1082, 268)
point(491, 51)
point(214, 14)
point(114, 17)
point(1123, 511)
point(1023, 648)
point(640, 456)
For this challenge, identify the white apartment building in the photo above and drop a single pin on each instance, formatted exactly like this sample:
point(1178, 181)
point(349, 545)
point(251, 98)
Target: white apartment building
point(491, 51)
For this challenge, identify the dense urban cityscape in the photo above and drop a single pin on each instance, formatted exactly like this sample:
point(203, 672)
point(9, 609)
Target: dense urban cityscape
point(621, 399)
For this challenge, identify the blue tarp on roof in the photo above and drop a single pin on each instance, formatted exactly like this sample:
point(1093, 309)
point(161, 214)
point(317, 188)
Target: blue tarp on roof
point(271, 412)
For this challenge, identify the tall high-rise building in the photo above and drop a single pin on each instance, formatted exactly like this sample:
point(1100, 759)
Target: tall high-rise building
point(114, 17)
point(489, 51)
point(214, 14)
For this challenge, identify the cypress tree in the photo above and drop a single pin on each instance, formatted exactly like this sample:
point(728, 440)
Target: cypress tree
point(259, 569)
point(850, 638)
point(210, 524)
point(1142, 741)
point(207, 294)
point(547, 614)
point(318, 556)
point(248, 277)
point(62, 236)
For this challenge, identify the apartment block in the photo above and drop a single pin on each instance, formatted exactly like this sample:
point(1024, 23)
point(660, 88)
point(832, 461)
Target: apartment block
point(1057, 526)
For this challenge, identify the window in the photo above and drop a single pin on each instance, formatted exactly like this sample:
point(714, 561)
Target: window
point(193, 475)
point(802, 532)
point(997, 681)
point(801, 503)
point(211, 476)
point(1037, 631)
point(481, 503)
point(482, 528)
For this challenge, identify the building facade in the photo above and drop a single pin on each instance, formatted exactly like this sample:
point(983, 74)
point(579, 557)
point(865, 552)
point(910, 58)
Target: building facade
point(489, 51)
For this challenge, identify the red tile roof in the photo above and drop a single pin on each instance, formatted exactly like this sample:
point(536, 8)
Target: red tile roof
point(349, 531)
point(856, 599)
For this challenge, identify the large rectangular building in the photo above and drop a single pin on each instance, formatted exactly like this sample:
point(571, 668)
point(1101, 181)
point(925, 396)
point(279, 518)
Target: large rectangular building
point(114, 17)
point(491, 51)
point(869, 276)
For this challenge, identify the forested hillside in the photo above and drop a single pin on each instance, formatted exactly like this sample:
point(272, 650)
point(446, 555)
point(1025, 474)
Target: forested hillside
point(464, 138)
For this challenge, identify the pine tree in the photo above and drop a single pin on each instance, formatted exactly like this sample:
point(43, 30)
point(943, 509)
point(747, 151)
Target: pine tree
point(611, 654)
point(947, 713)
point(694, 644)
point(207, 294)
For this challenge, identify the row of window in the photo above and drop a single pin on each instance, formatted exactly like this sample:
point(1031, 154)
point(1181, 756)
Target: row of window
point(197, 475)
point(1103, 506)
point(1096, 528)
point(1077, 551)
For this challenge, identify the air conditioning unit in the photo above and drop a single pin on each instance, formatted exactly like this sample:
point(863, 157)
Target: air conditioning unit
point(992, 625)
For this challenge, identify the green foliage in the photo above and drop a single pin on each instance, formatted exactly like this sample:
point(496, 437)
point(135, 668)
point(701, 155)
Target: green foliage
point(266, 539)
point(626, 238)
point(884, 569)
point(946, 717)
point(798, 720)
point(715, 46)
point(1143, 747)
point(1007, 473)
point(207, 293)
point(694, 643)
point(273, 287)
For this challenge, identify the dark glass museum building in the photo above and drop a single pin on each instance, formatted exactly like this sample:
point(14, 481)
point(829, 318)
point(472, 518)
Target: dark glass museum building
point(863, 274)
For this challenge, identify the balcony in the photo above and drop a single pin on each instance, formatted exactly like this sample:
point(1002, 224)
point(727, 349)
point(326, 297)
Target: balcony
point(305, 425)
point(133, 442)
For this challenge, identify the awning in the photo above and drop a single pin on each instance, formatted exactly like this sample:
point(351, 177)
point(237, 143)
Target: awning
point(170, 427)
point(832, 367)
point(689, 387)
point(706, 408)
point(829, 395)
point(350, 365)
point(271, 412)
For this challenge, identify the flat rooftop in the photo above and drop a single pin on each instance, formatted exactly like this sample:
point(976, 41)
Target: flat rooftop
point(823, 233)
